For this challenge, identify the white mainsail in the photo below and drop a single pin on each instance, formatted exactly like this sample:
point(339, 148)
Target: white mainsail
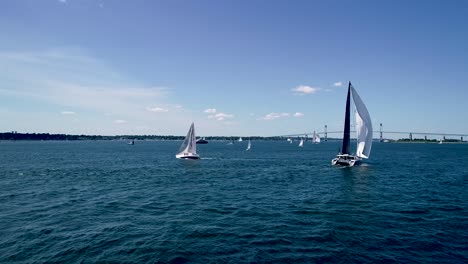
point(363, 126)
point(240, 139)
point(301, 143)
point(317, 138)
point(249, 145)
point(189, 145)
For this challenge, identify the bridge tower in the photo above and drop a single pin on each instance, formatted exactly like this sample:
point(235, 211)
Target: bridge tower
point(381, 133)
point(411, 136)
point(326, 135)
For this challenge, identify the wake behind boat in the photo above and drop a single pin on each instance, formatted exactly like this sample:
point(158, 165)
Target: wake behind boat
point(188, 149)
point(363, 126)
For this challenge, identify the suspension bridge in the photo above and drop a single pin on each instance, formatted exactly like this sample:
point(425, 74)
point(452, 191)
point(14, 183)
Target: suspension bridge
point(381, 133)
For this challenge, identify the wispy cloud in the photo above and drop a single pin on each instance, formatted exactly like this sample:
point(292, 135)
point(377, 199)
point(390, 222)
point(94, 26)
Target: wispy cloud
point(298, 114)
point(70, 78)
point(210, 111)
point(273, 116)
point(63, 1)
point(157, 109)
point(304, 89)
point(221, 116)
point(67, 113)
point(338, 84)
point(120, 121)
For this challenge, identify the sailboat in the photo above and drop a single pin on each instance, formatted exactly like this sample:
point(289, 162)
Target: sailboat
point(249, 145)
point(132, 142)
point(440, 141)
point(363, 126)
point(240, 139)
point(188, 149)
point(301, 143)
point(289, 140)
point(316, 138)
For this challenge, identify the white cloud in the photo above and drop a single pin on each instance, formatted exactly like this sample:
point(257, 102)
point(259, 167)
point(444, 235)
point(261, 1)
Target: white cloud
point(67, 113)
point(304, 89)
point(120, 121)
point(71, 78)
point(221, 116)
point(157, 109)
point(298, 114)
point(272, 116)
point(63, 1)
point(210, 111)
point(338, 84)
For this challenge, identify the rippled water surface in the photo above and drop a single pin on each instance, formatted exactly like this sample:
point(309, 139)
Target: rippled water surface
point(106, 201)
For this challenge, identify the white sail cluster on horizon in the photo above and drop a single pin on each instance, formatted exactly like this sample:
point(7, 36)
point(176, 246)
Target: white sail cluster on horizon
point(363, 126)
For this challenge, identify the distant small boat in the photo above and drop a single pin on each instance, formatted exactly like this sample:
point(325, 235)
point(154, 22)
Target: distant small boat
point(202, 141)
point(188, 149)
point(301, 143)
point(316, 138)
point(440, 141)
point(240, 139)
point(132, 142)
point(363, 125)
point(289, 140)
point(249, 145)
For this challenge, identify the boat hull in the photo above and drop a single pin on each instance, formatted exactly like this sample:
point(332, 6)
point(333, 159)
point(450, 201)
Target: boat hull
point(187, 156)
point(346, 160)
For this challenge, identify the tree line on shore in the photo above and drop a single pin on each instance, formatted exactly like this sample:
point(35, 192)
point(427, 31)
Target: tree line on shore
point(47, 136)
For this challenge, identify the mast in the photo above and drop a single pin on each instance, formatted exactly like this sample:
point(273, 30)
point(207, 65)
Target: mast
point(345, 149)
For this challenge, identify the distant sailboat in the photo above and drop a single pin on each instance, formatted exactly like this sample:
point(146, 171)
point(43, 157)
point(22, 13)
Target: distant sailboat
point(440, 141)
point(289, 140)
point(249, 145)
point(301, 143)
point(132, 142)
point(316, 138)
point(240, 139)
point(188, 149)
point(363, 129)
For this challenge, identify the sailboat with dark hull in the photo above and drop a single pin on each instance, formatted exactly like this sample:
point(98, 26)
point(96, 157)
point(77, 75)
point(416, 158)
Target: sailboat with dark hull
point(363, 126)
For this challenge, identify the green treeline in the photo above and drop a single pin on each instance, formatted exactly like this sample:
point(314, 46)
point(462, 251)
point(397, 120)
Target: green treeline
point(47, 136)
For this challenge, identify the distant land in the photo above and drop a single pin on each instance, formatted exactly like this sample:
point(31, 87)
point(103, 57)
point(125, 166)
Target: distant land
point(47, 136)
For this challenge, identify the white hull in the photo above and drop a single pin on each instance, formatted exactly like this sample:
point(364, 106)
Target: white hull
point(346, 160)
point(187, 156)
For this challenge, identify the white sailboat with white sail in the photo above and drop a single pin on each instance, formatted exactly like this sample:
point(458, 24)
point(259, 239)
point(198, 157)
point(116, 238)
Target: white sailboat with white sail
point(240, 139)
point(315, 138)
point(249, 145)
point(301, 143)
point(188, 149)
point(363, 126)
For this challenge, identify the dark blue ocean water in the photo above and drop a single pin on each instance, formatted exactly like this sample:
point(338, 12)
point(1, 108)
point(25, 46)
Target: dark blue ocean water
point(106, 201)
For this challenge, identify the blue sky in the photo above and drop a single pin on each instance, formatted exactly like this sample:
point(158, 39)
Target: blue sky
point(232, 67)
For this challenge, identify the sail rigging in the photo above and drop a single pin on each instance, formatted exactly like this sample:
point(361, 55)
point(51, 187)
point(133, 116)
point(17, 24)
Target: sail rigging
point(188, 148)
point(345, 148)
point(363, 126)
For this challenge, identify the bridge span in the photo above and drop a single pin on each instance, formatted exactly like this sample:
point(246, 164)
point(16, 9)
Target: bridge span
point(381, 133)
